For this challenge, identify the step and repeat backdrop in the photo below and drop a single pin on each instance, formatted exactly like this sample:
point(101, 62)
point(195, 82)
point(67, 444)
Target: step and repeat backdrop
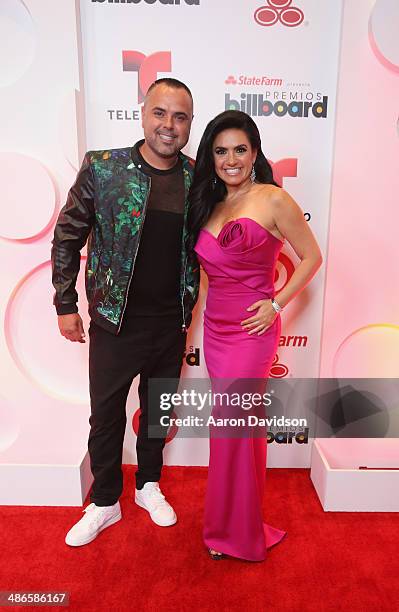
point(273, 61)
point(277, 60)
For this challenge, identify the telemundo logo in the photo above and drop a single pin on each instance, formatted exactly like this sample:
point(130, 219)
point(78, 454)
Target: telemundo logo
point(258, 105)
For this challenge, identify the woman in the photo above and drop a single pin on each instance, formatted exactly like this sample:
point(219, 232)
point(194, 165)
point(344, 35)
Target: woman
point(239, 219)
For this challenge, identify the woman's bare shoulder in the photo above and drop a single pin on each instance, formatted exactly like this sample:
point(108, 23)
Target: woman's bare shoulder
point(274, 194)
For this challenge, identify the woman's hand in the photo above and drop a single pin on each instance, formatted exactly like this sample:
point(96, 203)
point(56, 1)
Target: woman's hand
point(262, 319)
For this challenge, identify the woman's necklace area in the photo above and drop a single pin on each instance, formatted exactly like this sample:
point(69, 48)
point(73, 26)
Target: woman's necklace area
point(238, 195)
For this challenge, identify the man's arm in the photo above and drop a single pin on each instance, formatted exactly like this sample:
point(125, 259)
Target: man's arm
point(73, 227)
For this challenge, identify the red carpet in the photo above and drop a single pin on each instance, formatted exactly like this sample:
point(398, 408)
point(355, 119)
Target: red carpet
point(327, 562)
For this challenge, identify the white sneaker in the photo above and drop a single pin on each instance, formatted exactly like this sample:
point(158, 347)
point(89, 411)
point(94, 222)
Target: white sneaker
point(151, 499)
point(96, 519)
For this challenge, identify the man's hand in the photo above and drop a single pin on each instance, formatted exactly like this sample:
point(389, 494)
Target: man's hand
point(71, 327)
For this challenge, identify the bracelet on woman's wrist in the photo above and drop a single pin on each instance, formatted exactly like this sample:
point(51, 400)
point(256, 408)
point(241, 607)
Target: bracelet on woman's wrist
point(276, 306)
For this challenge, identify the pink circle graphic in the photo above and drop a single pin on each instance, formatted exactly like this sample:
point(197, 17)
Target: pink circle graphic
point(53, 364)
point(369, 352)
point(27, 218)
point(17, 41)
point(266, 16)
point(383, 33)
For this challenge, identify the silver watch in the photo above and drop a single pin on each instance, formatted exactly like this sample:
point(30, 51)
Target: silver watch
point(276, 306)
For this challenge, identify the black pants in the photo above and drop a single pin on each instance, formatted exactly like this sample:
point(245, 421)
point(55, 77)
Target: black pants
point(150, 347)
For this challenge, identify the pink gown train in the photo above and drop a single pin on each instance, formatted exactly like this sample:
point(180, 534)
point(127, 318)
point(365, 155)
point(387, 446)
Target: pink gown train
point(240, 265)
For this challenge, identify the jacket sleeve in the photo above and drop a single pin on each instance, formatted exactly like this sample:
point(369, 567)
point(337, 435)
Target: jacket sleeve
point(72, 229)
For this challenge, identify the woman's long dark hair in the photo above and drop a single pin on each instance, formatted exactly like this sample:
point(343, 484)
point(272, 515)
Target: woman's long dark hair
point(205, 192)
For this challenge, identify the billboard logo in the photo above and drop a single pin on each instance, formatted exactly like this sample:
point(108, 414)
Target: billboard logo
point(279, 10)
point(193, 357)
point(286, 437)
point(258, 105)
point(147, 68)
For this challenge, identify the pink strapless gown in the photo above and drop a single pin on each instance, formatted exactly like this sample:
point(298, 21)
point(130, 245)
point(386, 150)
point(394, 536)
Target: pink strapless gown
point(240, 265)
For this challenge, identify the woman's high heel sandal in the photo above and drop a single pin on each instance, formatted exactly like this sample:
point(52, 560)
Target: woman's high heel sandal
point(216, 556)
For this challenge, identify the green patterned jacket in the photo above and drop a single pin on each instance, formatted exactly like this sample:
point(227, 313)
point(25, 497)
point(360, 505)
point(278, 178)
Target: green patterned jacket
point(106, 206)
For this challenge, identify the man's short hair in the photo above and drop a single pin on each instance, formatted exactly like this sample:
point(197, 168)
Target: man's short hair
point(169, 82)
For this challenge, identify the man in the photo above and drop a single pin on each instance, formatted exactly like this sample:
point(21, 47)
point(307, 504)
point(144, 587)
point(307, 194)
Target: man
point(131, 205)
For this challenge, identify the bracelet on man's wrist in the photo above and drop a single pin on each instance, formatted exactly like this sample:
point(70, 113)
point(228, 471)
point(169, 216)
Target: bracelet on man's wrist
point(276, 306)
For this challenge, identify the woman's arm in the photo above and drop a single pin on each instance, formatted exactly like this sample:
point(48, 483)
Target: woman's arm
point(291, 224)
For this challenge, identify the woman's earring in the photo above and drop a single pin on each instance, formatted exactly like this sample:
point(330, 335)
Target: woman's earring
point(214, 181)
point(253, 174)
